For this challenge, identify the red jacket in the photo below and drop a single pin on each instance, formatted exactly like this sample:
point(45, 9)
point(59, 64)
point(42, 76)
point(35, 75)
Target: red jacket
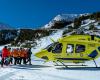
point(5, 52)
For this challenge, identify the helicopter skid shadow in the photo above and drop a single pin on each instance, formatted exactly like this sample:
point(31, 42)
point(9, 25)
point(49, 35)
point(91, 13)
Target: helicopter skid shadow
point(30, 67)
point(80, 68)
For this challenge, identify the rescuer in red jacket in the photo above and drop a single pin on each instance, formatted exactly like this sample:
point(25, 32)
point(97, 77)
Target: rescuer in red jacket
point(5, 53)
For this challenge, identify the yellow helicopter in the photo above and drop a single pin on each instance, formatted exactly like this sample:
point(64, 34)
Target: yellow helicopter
point(72, 49)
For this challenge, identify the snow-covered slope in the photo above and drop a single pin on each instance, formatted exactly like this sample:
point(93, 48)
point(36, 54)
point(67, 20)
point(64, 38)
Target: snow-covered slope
point(61, 17)
point(45, 41)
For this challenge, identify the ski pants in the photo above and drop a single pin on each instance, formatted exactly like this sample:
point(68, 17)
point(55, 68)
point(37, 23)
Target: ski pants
point(3, 61)
point(22, 59)
point(16, 60)
point(29, 60)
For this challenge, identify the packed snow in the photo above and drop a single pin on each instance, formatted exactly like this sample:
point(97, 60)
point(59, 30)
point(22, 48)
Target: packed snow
point(47, 71)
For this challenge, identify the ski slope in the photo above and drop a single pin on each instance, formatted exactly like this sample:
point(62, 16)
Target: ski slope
point(47, 71)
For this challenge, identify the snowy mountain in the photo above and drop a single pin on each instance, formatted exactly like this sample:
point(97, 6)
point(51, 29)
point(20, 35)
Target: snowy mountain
point(4, 26)
point(63, 17)
point(66, 17)
point(69, 23)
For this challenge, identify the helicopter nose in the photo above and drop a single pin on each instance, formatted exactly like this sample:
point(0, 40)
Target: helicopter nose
point(38, 55)
point(42, 55)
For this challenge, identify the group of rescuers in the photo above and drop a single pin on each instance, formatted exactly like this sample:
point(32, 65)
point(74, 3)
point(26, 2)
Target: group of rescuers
point(16, 56)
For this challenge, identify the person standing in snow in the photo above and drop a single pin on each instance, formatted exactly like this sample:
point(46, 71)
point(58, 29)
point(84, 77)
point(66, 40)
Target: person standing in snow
point(25, 55)
point(10, 56)
point(5, 54)
point(15, 56)
point(22, 56)
point(29, 53)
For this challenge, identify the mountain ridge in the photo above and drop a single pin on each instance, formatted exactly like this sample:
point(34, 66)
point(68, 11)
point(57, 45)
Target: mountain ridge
point(4, 26)
point(63, 17)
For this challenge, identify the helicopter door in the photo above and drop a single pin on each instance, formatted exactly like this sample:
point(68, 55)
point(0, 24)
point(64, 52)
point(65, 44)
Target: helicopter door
point(79, 50)
point(57, 50)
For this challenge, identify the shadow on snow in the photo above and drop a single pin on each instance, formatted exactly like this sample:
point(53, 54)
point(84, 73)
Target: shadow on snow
point(29, 67)
point(80, 68)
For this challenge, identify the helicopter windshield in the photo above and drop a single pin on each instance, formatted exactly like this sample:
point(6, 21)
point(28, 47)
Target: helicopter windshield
point(49, 47)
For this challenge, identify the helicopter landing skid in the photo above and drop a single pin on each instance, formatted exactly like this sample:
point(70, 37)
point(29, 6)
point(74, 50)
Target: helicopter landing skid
point(71, 65)
point(56, 63)
point(96, 66)
point(95, 63)
point(61, 63)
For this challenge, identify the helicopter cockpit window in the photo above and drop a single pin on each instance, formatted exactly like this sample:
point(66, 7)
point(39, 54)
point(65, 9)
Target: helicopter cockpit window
point(80, 48)
point(57, 48)
point(50, 47)
point(70, 48)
